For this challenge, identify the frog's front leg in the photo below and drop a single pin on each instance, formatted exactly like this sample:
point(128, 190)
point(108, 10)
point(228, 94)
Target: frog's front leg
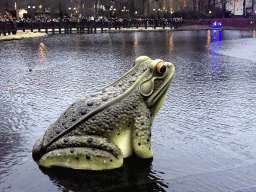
point(83, 152)
point(141, 134)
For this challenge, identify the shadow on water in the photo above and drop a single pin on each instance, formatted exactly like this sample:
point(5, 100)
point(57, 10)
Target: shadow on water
point(135, 175)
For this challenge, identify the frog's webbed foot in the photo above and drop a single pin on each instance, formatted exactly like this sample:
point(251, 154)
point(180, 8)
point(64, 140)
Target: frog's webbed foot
point(142, 135)
point(83, 152)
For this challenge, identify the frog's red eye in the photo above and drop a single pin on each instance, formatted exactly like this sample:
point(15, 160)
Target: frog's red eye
point(160, 68)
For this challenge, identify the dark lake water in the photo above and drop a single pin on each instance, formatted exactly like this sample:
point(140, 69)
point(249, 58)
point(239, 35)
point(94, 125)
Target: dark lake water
point(203, 138)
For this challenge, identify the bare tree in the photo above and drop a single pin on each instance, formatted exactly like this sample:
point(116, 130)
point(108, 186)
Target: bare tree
point(253, 6)
point(244, 10)
point(194, 7)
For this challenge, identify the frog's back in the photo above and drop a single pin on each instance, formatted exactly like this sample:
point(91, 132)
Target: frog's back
point(98, 112)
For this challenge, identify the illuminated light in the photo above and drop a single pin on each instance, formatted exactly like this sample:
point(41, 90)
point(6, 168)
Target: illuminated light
point(210, 12)
point(215, 24)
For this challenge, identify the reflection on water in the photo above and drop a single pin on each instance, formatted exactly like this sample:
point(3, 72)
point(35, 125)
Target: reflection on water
point(215, 65)
point(137, 177)
point(202, 138)
point(136, 43)
point(216, 35)
point(169, 43)
point(41, 53)
point(208, 37)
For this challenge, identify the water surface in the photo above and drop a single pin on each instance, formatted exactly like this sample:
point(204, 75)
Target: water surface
point(203, 137)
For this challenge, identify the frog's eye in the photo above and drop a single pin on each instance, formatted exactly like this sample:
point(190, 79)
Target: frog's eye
point(160, 68)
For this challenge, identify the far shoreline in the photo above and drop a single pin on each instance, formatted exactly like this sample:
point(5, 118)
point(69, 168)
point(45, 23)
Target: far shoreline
point(28, 34)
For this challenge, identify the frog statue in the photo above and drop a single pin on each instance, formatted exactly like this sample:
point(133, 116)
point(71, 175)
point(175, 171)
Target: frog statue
point(99, 130)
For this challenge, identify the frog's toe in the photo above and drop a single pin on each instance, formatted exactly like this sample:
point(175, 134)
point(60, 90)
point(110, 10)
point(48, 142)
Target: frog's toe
point(81, 158)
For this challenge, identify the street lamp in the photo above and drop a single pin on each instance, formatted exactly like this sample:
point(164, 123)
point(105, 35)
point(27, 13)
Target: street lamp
point(154, 11)
point(31, 10)
point(158, 13)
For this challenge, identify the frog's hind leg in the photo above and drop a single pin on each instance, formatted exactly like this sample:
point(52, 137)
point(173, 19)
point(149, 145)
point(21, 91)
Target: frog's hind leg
point(83, 152)
point(81, 158)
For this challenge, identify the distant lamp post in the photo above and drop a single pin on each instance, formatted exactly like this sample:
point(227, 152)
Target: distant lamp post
point(165, 13)
point(125, 11)
point(210, 12)
point(112, 11)
point(159, 14)
point(31, 10)
point(154, 11)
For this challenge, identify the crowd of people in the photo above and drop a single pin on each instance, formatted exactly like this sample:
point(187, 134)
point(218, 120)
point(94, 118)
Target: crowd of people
point(95, 21)
point(91, 19)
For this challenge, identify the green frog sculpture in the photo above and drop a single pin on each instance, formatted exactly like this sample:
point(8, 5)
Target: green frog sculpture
point(99, 130)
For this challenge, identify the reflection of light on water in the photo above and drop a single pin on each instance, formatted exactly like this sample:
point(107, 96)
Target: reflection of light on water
point(219, 35)
point(41, 52)
point(110, 41)
point(208, 37)
point(136, 43)
point(170, 45)
point(215, 65)
point(216, 36)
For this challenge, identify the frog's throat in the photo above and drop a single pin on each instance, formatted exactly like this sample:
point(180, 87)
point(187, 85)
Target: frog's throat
point(96, 111)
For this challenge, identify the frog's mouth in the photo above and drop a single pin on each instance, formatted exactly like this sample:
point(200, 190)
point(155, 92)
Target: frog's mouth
point(162, 90)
